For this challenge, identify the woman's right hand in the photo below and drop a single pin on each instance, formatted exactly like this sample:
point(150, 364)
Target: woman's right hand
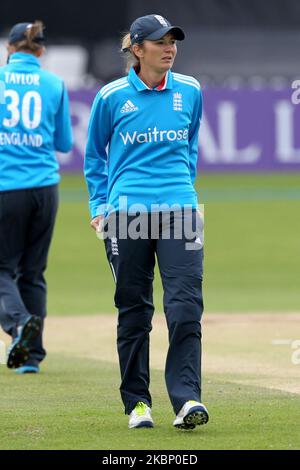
point(97, 223)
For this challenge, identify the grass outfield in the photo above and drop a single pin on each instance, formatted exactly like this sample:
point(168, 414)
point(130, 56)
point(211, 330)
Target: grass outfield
point(251, 252)
point(251, 386)
point(65, 408)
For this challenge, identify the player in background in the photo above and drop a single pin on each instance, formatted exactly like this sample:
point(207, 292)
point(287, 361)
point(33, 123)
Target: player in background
point(35, 122)
point(148, 121)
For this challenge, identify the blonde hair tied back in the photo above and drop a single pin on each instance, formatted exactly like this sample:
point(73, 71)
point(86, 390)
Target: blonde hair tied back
point(32, 31)
point(131, 59)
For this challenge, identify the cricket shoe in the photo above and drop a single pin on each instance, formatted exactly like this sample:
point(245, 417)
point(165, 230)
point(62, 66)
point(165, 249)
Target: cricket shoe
point(27, 370)
point(140, 417)
point(18, 352)
point(191, 414)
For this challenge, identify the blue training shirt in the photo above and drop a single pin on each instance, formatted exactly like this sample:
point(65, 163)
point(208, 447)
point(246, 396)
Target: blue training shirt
point(34, 123)
point(143, 143)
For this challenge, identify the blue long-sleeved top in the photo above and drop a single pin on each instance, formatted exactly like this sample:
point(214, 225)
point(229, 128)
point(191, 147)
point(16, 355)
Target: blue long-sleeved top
point(143, 144)
point(34, 123)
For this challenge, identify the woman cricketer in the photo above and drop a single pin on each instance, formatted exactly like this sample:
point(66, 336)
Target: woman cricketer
point(141, 159)
point(35, 122)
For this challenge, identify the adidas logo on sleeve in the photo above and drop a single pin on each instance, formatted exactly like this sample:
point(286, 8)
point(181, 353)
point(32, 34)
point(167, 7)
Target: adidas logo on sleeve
point(128, 107)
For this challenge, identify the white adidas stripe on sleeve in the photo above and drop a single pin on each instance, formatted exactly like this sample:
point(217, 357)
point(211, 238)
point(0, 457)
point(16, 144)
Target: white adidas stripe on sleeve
point(186, 78)
point(114, 89)
point(195, 85)
point(114, 84)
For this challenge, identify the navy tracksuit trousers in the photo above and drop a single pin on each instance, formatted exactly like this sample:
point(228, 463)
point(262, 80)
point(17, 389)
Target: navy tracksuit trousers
point(27, 220)
point(132, 262)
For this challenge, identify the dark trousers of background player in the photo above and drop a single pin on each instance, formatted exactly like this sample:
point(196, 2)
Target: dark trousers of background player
point(27, 220)
point(132, 262)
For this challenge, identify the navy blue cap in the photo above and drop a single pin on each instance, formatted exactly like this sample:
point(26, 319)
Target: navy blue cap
point(17, 33)
point(153, 27)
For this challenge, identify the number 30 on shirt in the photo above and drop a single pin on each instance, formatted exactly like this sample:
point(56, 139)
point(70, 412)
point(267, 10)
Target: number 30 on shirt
point(30, 108)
